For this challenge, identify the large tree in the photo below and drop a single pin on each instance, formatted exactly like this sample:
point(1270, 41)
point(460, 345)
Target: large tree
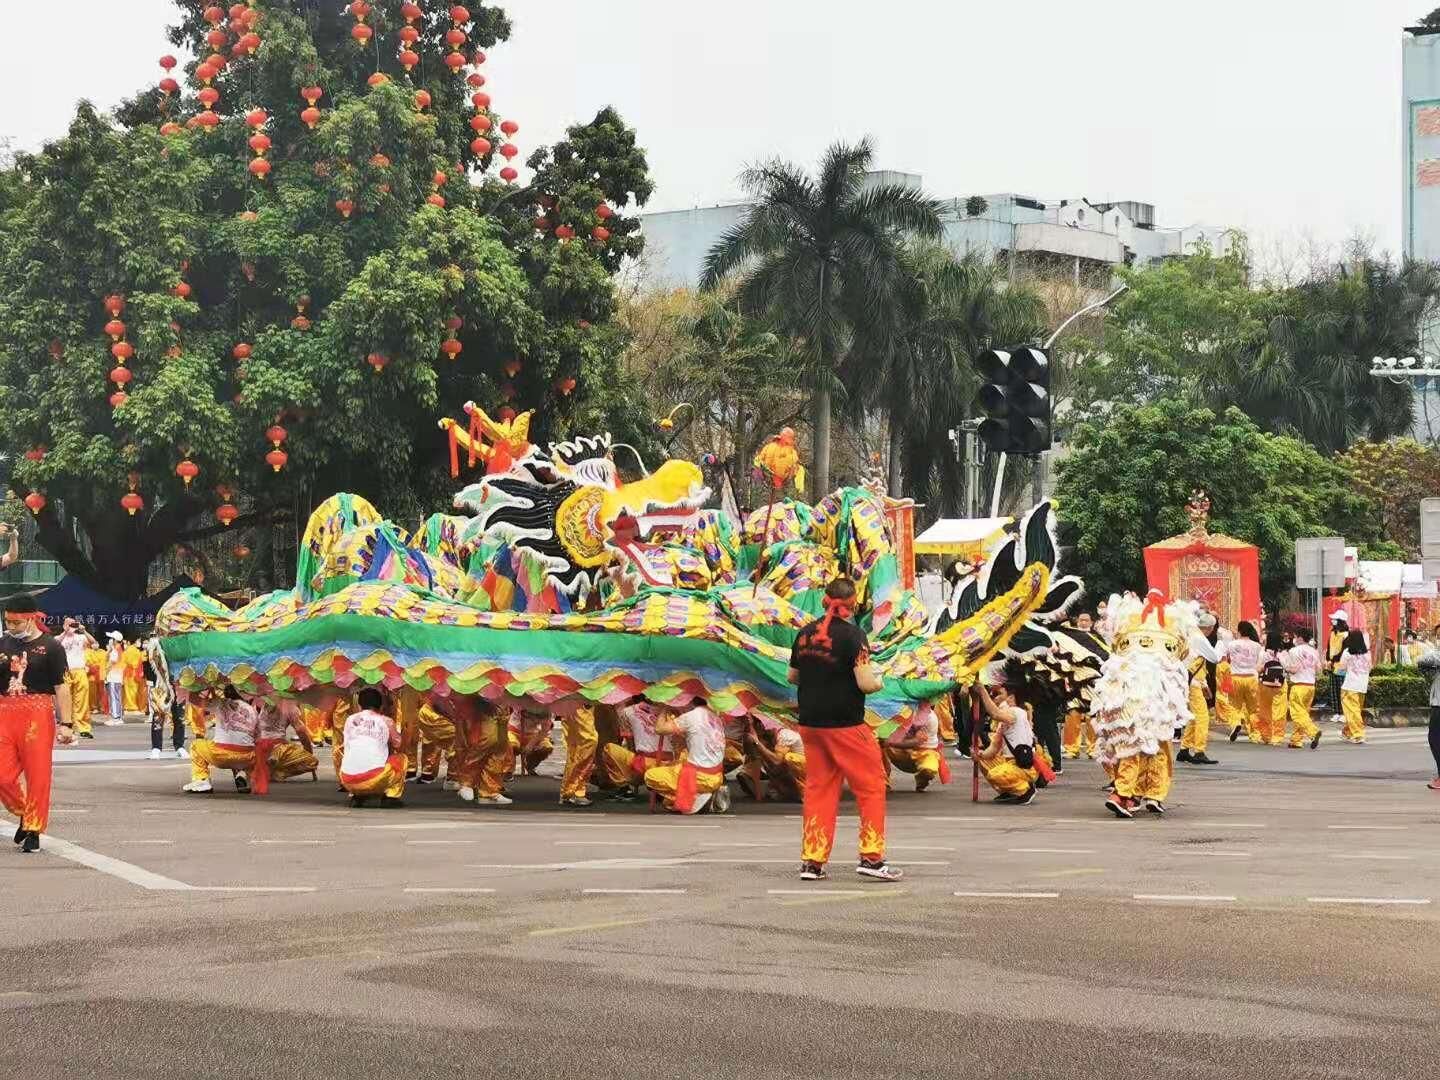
point(820, 257)
point(1125, 482)
point(1396, 475)
point(382, 229)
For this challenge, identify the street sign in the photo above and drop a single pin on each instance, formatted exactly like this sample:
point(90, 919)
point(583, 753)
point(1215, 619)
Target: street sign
point(1430, 528)
point(1320, 562)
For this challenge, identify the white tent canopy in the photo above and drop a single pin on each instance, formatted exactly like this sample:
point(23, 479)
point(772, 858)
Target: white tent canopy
point(961, 536)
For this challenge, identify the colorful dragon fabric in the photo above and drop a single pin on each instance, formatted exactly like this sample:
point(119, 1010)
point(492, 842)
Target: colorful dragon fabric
point(566, 584)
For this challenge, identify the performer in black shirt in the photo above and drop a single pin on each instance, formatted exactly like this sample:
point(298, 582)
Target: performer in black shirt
point(32, 671)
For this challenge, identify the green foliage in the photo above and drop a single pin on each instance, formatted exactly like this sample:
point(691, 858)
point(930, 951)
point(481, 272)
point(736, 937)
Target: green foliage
point(976, 205)
point(1125, 483)
point(1396, 475)
point(116, 207)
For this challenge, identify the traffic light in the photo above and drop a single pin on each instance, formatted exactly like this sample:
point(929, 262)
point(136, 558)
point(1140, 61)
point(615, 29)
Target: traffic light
point(1015, 400)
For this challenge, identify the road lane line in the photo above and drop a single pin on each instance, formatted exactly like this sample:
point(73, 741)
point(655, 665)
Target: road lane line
point(744, 844)
point(1368, 828)
point(551, 931)
point(1370, 900)
point(1202, 853)
point(1008, 895)
point(907, 847)
point(1183, 897)
point(1374, 855)
point(254, 888)
point(432, 843)
point(597, 843)
point(1050, 851)
point(633, 892)
point(1079, 871)
point(135, 875)
point(447, 889)
point(820, 892)
point(304, 843)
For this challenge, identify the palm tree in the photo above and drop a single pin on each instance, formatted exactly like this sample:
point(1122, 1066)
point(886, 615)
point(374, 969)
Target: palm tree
point(950, 311)
point(820, 257)
point(1308, 373)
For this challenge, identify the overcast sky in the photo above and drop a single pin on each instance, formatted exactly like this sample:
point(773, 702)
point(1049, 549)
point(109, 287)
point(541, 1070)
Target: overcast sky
point(1281, 117)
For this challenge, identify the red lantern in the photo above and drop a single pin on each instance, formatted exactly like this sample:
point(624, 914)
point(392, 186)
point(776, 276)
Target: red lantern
point(408, 59)
point(362, 34)
point(506, 414)
point(118, 398)
point(566, 386)
point(300, 322)
point(238, 13)
point(257, 118)
point(182, 290)
point(114, 304)
point(451, 348)
point(509, 127)
point(479, 58)
point(241, 351)
point(359, 9)
point(276, 459)
point(116, 329)
point(422, 99)
point(208, 97)
point(259, 142)
point(241, 551)
point(564, 232)
point(454, 324)
point(379, 78)
point(409, 35)
point(603, 212)
point(345, 206)
point(122, 351)
point(512, 368)
point(35, 454)
point(132, 502)
point(312, 94)
point(507, 391)
point(187, 470)
point(509, 150)
point(214, 14)
point(259, 168)
point(226, 514)
point(168, 62)
point(459, 14)
point(411, 11)
point(509, 174)
point(379, 161)
point(217, 39)
point(439, 178)
point(480, 99)
point(207, 119)
point(35, 501)
point(480, 123)
point(248, 44)
point(542, 224)
point(170, 128)
point(454, 61)
point(377, 361)
point(276, 434)
point(600, 233)
point(310, 117)
point(475, 79)
point(169, 86)
point(121, 375)
point(455, 38)
point(436, 199)
point(205, 72)
point(216, 61)
point(480, 147)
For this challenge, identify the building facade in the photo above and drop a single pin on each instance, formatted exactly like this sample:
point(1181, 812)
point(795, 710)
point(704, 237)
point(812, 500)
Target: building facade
point(1420, 190)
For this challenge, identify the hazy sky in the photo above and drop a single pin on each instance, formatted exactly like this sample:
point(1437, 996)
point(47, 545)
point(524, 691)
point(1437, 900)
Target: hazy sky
point(1281, 117)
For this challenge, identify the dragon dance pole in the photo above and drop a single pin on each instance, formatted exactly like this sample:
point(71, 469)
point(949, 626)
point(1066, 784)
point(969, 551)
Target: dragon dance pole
point(974, 750)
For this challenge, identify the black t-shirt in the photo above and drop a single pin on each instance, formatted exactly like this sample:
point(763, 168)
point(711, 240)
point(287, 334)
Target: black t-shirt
point(45, 668)
point(829, 695)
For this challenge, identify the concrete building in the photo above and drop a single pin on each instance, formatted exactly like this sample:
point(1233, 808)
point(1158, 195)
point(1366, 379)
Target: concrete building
point(1077, 238)
point(1420, 190)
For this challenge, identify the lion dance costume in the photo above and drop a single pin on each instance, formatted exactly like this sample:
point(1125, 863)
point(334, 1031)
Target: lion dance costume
point(1142, 698)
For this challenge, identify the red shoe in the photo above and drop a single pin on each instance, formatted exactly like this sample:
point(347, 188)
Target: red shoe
point(1434, 785)
point(1120, 806)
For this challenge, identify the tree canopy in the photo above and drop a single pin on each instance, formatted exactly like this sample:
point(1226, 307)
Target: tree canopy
point(325, 291)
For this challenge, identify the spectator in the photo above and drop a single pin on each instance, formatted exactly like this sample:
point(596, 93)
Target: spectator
point(115, 677)
point(1355, 662)
point(13, 551)
point(1429, 664)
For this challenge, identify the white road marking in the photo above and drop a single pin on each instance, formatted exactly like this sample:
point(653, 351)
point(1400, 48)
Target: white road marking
point(1202, 853)
point(422, 843)
point(309, 843)
point(135, 875)
point(1364, 900)
point(1050, 851)
point(1199, 897)
point(817, 892)
point(253, 888)
point(1009, 895)
point(1368, 828)
point(597, 843)
point(734, 844)
point(633, 892)
point(448, 889)
point(1374, 855)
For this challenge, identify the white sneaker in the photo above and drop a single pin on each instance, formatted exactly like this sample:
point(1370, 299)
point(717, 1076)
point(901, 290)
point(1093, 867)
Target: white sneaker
point(182, 753)
point(490, 800)
point(112, 722)
point(467, 794)
point(155, 754)
point(198, 787)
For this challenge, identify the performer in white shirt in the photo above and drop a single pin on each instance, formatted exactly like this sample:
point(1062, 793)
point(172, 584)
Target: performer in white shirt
point(75, 640)
point(372, 763)
point(688, 785)
point(1302, 662)
point(235, 726)
point(626, 767)
point(915, 748)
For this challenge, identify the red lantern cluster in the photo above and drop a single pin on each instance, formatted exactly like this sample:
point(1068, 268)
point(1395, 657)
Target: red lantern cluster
point(132, 500)
point(451, 346)
point(310, 115)
point(276, 458)
point(378, 361)
point(256, 119)
point(187, 470)
point(301, 322)
point(168, 86)
point(360, 32)
point(120, 349)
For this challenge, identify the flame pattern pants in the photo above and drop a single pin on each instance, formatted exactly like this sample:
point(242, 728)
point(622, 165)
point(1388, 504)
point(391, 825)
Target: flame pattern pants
point(1302, 696)
point(832, 756)
point(27, 747)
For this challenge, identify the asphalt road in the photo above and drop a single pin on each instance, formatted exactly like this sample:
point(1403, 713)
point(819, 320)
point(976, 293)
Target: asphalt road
point(1281, 921)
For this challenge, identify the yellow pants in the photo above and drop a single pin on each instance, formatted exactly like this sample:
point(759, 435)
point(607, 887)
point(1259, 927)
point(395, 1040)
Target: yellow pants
point(1197, 732)
point(1225, 712)
point(581, 741)
point(1270, 711)
point(291, 759)
point(1245, 696)
point(1078, 737)
point(924, 764)
point(1006, 777)
point(662, 779)
point(389, 781)
point(945, 713)
point(794, 763)
point(435, 736)
point(1353, 705)
point(79, 683)
point(492, 760)
point(205, 755)
point(196, 720)
point(314, 724)
point(543, 749)
point(1146, 776)
point(1301, 698)
point(133, 696)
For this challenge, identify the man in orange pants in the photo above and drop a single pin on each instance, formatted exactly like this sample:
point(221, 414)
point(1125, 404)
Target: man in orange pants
point(32, 673)
point(830, 666)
